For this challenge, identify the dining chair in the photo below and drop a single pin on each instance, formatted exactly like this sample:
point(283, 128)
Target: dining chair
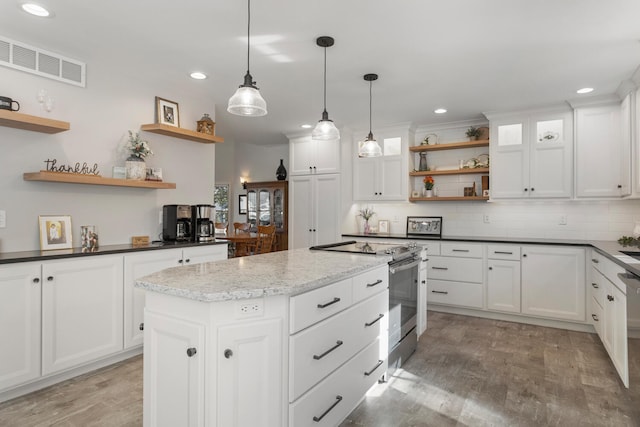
point(240, 227)
point(266, 239)
point(221, 228)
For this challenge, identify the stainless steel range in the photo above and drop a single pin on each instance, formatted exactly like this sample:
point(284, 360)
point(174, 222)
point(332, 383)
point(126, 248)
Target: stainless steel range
point(403, 292)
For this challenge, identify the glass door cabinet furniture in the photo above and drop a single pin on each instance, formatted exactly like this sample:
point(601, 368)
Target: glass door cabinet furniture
point(267, 204)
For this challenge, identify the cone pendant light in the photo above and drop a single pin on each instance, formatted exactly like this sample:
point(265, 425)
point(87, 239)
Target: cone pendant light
point(369, 147)
point(247, 100)
point(325, 130)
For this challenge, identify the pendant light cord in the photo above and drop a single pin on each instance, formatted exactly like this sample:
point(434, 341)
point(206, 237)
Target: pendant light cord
point(248, 27)
point(325, 79)
point(370, 85)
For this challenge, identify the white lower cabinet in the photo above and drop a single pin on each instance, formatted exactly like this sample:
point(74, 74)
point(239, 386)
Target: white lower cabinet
point(20, 287)
point(421, 317)
point(82, 303)
point(456, 277)
point(553, 282)
point(503, 285)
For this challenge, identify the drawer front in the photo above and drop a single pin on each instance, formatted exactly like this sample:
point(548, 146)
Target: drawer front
point(432, 248)
point(597, 261)
point(455, 293)
point(455, 269)
point(597, 316)
point(465, 250)
point(370, 283)
point(335, 397)
point(597, 286)
point(506, 252)
point(314, 306)
point(317, 351)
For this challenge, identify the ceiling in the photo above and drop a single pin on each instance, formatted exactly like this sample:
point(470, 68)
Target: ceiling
point(468, 56)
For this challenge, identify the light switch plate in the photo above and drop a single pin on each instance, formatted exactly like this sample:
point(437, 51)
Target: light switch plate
point(3, 219)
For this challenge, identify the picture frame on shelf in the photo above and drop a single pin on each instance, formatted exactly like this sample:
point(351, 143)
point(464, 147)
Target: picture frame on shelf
point(55, 232)
point(167, 112)
point(427, 226)
point(242, 204)
point(383, 226)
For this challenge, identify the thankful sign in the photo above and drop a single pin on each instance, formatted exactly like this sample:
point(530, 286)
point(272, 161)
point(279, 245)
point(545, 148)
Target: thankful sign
point(83, 169)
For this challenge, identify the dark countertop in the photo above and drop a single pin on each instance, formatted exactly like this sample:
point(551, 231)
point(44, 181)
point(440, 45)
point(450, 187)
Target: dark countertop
point(610, 249)
point(28, 256)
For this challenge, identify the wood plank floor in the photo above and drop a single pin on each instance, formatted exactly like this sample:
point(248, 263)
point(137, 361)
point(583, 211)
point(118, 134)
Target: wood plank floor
point(466, 372)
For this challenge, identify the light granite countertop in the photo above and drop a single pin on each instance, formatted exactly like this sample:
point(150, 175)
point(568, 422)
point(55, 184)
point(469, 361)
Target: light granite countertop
point(278, 273)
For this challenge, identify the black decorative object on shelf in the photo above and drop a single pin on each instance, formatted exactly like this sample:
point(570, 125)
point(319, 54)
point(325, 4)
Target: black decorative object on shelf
point(281, 172)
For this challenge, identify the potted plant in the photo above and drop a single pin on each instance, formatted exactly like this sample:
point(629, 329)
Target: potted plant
point(473, 133)
point(366, 214)
point(138, 150)
point(428, 186)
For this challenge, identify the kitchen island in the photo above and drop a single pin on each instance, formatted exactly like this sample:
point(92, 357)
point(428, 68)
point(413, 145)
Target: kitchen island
point(286, 338)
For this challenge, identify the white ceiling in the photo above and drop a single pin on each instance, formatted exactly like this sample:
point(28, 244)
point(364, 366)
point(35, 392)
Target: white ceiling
point(469, 56)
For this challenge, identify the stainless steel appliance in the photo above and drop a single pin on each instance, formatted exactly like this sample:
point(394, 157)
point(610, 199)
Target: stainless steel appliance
point(203, 226)
point(633, 326)
point(403, 293)
point(176, 223)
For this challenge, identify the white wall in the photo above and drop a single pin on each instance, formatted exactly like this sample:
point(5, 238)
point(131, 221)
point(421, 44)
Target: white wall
point(116, 99)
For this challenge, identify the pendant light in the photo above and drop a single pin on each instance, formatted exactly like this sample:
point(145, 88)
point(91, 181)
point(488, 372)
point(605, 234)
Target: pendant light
point(325, 130)
point(369, 147)
point(247, 100)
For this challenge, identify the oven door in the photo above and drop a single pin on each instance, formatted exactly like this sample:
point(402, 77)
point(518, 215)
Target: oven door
point(403, 304)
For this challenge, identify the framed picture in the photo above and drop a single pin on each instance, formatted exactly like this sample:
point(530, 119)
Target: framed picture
point(167, 112)
point(428, 226)
point(242, 204)
point(383, 226)
point(55, 232)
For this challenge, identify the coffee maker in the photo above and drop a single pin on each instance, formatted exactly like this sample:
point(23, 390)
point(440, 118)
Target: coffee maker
point(176, 223)
point(202, 225)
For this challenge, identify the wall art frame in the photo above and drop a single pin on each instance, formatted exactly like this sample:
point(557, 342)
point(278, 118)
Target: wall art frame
point(167, 112)
point(55, 232)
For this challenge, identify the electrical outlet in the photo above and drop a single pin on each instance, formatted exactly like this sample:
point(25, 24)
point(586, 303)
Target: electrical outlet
point(486, 219)
point(3, 219)
point(254, 308)
point(563, 220)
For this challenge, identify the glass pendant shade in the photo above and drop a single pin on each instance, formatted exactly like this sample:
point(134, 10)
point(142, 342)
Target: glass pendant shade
point(247, 101)
point(325, 130)
point(369, 147)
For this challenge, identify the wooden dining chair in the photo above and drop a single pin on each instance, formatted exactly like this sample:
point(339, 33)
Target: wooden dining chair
point(266, 239)
point(240, 227)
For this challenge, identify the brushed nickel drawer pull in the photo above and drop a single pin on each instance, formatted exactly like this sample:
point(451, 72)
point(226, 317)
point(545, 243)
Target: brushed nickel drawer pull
point(439, 268)
point(595, 261)
point(595, 285)
point(318, 419)
point(338, 344)
point(380, 316)
point(380, 362)
point(377, 282)
point(503, 252)
point(459, 250)
point(335, 300)
point(595, 317)
point(440, 292)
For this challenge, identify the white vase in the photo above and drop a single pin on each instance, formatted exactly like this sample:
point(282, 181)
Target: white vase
point(136, 168)
point(428, 193)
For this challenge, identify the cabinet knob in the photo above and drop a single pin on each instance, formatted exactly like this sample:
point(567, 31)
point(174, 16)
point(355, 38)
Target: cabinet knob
point(191, 351)
point(595, 285)
point(533, 189)
point(141, 326)
point(595, 317)
point(424, 281)
point(526, 189)
point(595, 261)
point(310, 168)
point(314, 168)
point(36, 280)
point(309, 230)
point(619, 186)
point(179, 261)
point(50, 279)
point(609, 297)
point(490, 268)
point(187, 260)
point(228, 353)
point(524, 255)
point(314, 230)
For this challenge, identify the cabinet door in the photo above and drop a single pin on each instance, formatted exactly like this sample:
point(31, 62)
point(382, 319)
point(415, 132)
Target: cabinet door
point(249, 386)
point(503, 286)
point(174, 378)
point(615, 330)
point(421, 318)
point(301, 155)
point(599, 152)
point(553, 282)
point(82, 305)
point(209, 253)
point(301, 211)
point(327, 209)
point(20, 287)
point(138, 265)
point(391, 179)
point(509, 159)
point(626, 120)
point(327, 157)
point(365, 179)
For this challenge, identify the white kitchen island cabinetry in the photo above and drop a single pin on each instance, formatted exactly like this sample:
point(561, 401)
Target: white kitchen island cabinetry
point(20, 287)
point(532, 155)
point(553, 282)
point(314, 210)
point(250, 338)
point(82, 305)
point(309, 157)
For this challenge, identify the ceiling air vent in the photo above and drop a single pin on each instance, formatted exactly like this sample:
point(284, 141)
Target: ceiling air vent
point(20, 56)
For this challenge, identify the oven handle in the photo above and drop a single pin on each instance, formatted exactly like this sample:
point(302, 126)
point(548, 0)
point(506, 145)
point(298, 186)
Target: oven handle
point(404, 266)
point(631, 280)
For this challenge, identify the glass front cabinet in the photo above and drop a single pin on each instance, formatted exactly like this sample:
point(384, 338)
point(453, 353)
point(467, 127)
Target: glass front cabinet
point(266, 205)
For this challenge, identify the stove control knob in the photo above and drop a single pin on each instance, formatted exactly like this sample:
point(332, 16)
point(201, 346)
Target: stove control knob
point(413, 245)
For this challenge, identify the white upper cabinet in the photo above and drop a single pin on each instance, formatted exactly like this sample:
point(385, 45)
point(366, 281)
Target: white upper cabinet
point(384, 177)
point(532, 155)
point(603, 147)
point(307, 157)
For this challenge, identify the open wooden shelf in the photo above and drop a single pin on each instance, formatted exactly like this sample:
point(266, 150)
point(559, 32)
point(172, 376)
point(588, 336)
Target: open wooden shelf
point(465, 171)
point(450, 146)
point(16, 120)
point(73, 178)
point(181, 133)
point(447, 199)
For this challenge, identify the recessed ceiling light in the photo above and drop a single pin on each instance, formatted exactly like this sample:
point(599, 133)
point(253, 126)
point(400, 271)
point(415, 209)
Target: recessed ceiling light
point(35, 9)
point(198, 75)
point(585, 90)
point(440, 110)
point(305, 126)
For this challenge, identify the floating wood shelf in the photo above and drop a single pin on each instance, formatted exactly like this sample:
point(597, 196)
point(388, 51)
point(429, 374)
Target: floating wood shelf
point(450, 146)
point(73, 178)
point(16, 120)
point(451, 172)
point(181, 133)
point(447, 199)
